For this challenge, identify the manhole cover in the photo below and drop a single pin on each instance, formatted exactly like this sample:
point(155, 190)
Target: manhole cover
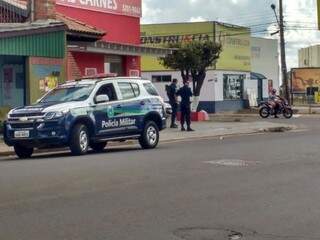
point(232, 162)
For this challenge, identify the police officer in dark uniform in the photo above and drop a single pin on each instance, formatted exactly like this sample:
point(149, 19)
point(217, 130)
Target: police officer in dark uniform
point(185, 106)
point(172, 95)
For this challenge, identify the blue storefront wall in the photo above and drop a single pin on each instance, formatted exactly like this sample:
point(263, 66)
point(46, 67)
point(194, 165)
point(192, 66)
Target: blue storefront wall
point(222, 106)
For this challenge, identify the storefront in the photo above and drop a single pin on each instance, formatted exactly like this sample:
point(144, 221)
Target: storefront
point(120, 23)
point(224, 87)
point(228, 85)
point(64, 40)
point(31, 61)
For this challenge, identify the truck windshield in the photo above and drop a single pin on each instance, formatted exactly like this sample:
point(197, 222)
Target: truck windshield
point(68, 94)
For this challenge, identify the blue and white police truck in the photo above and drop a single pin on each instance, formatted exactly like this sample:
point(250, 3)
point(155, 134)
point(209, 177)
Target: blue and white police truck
point(88, 113)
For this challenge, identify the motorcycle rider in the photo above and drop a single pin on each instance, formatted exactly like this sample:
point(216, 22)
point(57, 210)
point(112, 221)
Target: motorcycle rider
point(275, 101)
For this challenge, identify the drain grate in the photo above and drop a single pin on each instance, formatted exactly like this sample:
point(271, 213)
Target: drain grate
point(210, 234)
point(221, 233)
point(235, 236)
point(232, 162)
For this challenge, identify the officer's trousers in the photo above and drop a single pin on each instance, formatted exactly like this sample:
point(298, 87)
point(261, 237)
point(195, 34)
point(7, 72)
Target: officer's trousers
point(174, 107)
point(185, 115)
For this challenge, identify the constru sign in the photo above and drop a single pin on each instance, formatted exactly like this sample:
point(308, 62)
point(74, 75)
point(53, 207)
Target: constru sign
point(121, 7)
point(156, 40)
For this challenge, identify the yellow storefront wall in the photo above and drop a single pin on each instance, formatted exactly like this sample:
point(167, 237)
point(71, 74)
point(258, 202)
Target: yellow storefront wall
point(236, 44)
point(236, 55)
point(159, 35)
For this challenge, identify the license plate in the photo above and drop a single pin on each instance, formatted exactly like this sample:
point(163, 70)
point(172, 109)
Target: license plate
point(21, 134)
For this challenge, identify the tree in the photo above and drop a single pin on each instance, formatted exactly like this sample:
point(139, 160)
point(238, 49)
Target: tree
point(193, 59)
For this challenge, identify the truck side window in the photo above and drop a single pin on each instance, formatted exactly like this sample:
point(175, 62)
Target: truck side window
point(108, 89)
point(151, 89)
point(136, 89)
point(126, 90)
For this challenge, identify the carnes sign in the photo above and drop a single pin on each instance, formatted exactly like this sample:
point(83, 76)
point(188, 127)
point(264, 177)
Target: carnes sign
point(121, 7)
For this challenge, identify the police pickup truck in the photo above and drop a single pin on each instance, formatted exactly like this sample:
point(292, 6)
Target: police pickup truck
point(88, 113)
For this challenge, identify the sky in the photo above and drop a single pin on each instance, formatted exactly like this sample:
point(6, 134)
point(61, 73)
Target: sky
point(300, 18)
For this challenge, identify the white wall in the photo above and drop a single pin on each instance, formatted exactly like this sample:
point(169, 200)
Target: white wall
point(212, 89)
point(265, 60)
point(309, 57)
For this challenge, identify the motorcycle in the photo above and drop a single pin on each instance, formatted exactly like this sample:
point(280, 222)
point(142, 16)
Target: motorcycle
point(266, 109)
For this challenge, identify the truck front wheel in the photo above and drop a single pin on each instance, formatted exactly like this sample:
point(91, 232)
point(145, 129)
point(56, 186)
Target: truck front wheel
point(79, 140)
point(150, 136)
point(23, 152)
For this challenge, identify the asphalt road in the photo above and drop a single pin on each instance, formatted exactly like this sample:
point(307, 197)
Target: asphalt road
point(254, 187)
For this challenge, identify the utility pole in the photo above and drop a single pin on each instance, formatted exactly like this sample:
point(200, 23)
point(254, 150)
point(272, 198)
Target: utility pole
point(282, 49)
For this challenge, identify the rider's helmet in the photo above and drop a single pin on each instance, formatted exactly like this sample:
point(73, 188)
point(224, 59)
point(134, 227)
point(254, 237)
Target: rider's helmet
point(274, 91)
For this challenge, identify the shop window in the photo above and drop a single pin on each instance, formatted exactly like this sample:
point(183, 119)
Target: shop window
point(12, 81)
point(114, 64)
point(233, 86)
point(126, 90)
point(161, 78)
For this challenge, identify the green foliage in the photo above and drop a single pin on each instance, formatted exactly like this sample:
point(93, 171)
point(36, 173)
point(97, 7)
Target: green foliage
point(193, 59)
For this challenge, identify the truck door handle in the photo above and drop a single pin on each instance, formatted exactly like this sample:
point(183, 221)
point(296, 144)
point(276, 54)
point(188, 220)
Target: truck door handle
point(142, 103)
point(119, 106)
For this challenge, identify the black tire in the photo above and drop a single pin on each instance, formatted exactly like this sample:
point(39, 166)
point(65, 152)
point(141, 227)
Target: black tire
point(79, 140)
point(23, 152)
point(264, 112)
point(149, 138)
point(98, 146)
point(287, 113)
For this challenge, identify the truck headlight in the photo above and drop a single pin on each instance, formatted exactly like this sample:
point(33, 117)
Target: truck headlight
point(54, 115)
point(9, 113)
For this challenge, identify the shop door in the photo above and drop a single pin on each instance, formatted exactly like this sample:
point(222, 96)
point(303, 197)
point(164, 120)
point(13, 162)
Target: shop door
point(12, 81)
point(114, 64)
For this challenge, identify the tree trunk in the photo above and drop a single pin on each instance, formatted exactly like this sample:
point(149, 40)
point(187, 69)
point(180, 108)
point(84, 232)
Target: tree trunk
point(185, 75)
point(199, 80)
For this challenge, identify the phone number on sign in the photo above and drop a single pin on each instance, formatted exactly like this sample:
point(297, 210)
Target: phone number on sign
point(134, 10)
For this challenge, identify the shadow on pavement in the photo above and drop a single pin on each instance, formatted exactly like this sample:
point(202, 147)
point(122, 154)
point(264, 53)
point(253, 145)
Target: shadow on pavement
point(66, 154)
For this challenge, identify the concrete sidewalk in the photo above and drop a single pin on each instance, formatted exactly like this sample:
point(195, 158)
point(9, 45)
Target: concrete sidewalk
point(204, 130)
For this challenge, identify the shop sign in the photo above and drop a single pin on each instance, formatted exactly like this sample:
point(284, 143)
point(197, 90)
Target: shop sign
point(171, 39)
point(303, 78)
point(236, 45)
point(121, 7)
point(235, 41)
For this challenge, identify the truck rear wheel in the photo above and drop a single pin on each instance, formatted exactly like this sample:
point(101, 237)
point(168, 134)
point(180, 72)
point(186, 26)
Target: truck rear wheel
point(149, 138)
point(79, 140)
point(23, 152)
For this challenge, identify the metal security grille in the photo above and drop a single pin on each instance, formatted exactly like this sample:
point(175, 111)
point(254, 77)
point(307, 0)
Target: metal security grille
point(13, 11)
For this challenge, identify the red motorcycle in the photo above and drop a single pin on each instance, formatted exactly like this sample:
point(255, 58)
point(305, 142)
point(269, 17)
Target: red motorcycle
point(268, 109)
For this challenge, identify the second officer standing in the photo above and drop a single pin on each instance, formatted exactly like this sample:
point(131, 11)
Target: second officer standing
point(185, 106)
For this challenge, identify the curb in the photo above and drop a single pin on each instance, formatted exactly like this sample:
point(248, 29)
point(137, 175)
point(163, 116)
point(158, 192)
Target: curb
point(279, 129)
